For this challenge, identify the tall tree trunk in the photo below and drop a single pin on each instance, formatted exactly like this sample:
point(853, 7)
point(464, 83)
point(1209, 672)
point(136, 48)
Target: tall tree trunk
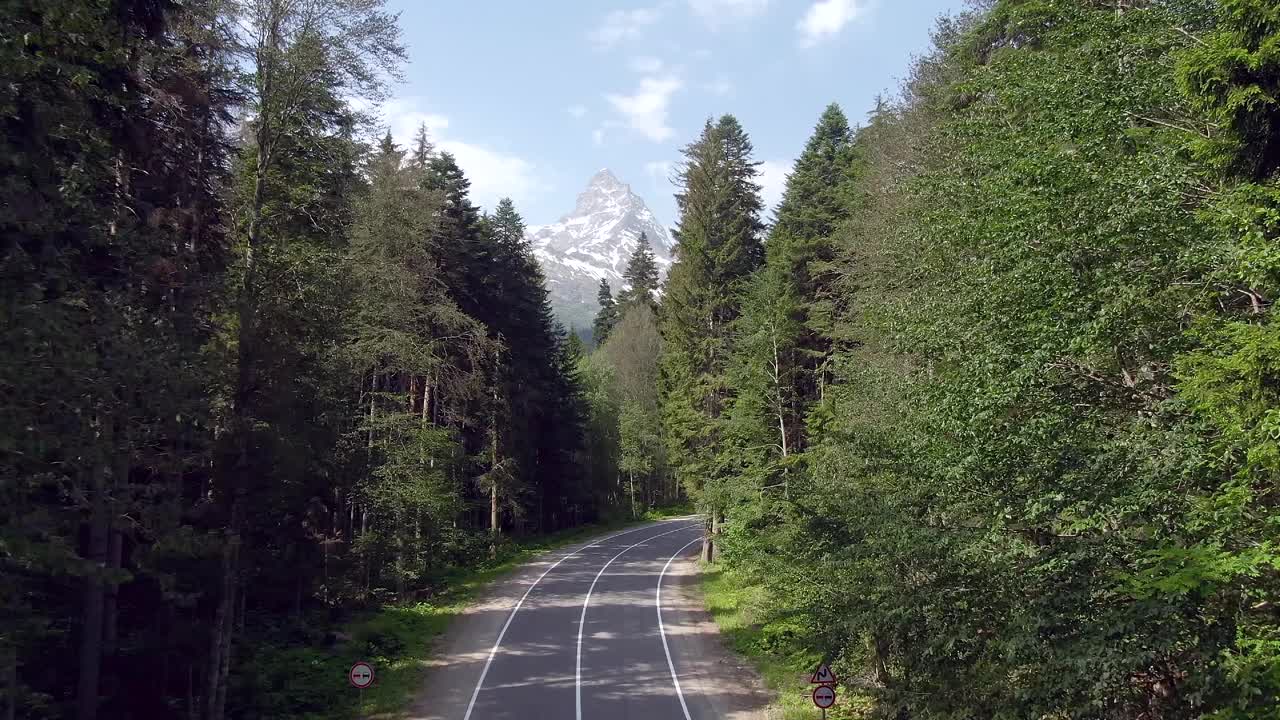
point(373, 393)
point(246, 351)
point(115, 545)
point(9, 661)
point(711, 541)
point(94, 596)
point(493, 511)
point(881, 647)
point(633, 494)
point(717, 527)
point(223, 623)
point(398, 522)
point(111, 611)
point(193, 712)
point(494, 528)
point(109, 680)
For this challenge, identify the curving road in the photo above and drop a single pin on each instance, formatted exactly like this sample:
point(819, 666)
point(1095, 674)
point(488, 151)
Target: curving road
point(611, 628)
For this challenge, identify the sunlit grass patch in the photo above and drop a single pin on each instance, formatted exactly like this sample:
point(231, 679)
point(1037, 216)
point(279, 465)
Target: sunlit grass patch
point(773, 642)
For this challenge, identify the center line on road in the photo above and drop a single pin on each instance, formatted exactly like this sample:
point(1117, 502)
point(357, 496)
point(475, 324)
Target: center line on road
point(582, 621)
point(501, 633)
point(657, 602)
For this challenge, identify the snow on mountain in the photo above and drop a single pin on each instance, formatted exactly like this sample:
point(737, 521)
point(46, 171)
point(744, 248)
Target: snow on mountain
point(595, 241)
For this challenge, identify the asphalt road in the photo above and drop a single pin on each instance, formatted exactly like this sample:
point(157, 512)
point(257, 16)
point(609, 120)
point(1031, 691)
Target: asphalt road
point(606, 629)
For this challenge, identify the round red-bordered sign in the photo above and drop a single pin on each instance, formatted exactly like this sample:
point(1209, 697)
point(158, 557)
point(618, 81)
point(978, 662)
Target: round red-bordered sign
point(361, 675)
point(824, 696)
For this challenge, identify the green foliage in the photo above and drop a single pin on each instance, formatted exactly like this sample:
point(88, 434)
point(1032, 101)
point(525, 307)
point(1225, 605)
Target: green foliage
point(1040, 483)
point(641, 276)
point(1232, 77)
point(247, 362)
point(718, 247)
point(607, 316)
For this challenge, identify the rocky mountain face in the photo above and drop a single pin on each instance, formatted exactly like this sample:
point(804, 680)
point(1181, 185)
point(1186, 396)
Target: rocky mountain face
point(595, 241)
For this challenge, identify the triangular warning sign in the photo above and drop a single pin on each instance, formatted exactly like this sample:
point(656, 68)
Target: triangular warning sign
point(823, 675)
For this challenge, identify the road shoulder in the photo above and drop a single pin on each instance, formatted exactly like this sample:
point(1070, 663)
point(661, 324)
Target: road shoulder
point(723, 683)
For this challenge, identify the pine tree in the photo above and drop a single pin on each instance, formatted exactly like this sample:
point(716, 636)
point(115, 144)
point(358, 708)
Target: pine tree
point(423, 150)
point(302, 135)
point(457, 234)
point(401, 307)
point(607, 317)
point(113, 259)
point(785, 338)
point(718, 247)
point(641, 277)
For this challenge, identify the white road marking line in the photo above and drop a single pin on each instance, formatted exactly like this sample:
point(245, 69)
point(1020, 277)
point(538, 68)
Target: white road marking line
point(582, 621)
point(657, 602)
point(498, 643)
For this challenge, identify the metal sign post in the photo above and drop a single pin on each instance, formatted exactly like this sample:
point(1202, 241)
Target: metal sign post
point(824, 695)
point(360, 676)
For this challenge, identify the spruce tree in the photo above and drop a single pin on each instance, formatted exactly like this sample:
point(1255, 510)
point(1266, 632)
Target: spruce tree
point(115, 245)
point(785, 338)
point(423, 150)
point(607, 317)
point(457, 234)
point(641, 277)
point(718, 247)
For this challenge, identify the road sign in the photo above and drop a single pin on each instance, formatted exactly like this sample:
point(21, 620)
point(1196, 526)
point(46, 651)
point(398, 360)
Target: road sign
point(361, 675)
point(823, 675)
point(824, 696)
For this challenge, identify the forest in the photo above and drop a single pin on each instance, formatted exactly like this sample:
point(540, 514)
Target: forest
point(990, 415)
point(262, 368)
point(992, 397)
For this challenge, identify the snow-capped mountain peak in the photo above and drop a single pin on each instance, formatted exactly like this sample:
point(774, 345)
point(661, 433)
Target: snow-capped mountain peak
point(595, 241)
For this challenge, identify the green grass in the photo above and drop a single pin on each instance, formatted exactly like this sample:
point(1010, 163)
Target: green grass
point(297, 675)
point(773, 643)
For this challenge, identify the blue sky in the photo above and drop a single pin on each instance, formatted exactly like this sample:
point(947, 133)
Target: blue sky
point(534, 96)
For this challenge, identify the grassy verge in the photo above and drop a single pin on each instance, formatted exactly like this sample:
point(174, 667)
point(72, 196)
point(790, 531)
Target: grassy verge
point(774, 644)
point(301, 673)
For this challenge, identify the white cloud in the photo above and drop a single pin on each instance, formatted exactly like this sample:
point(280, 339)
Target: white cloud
point(659, 171)
point(773, 181)
point(404, 116)
point(720, 87)
point(826, 18)
point(646, 65)
point(622, 25)
point(717, 12)
point(646, 109)
point(576, 110)
point(493, 174)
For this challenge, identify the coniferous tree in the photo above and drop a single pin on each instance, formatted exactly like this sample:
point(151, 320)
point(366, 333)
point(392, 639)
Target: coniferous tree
point(113, 253)
point(401, 307)
point(607, 317)
point(457, 234)
point(785, 337)
point(641, 277)
point(718, 247)
point(423, 150)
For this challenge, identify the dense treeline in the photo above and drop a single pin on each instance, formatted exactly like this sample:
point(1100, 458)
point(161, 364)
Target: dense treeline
point(624, 430)
point(997, 409)
point(257, 370)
